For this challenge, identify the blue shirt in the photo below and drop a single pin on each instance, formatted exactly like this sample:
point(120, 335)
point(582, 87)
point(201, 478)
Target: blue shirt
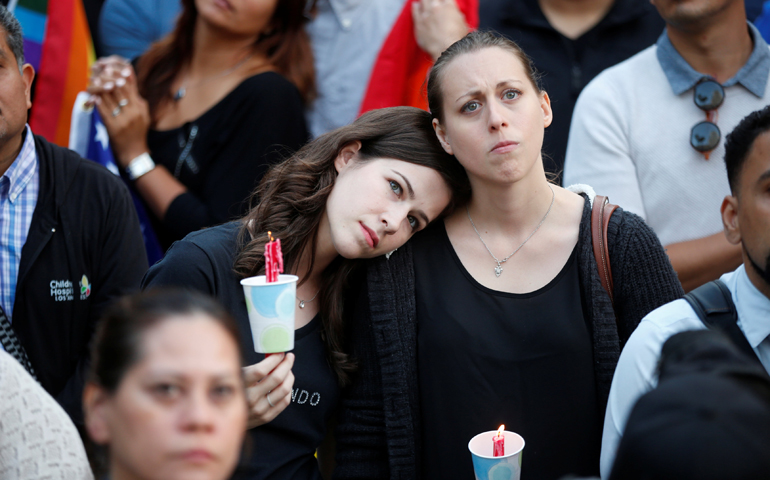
point(19, 187)
point(682, 77)
point(636, 371)
point(128, 27)
point(346, 36)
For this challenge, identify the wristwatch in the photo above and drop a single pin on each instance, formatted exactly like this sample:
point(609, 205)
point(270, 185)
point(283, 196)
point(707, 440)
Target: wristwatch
point(139, 166)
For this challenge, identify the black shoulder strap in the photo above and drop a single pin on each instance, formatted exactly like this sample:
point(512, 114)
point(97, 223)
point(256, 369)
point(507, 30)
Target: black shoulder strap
point(714, 305)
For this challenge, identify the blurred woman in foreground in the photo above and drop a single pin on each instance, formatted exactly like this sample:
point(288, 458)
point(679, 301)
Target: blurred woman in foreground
point(165, 392)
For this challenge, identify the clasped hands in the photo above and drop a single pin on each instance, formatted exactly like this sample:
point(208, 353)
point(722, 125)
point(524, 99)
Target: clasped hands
point(126, 115)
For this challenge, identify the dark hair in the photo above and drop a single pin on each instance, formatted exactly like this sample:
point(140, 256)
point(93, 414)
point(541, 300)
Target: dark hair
point(473, 42)
point(286, 45)
point(13, 35)
point(117, 344)
point(293, 198)
point(739, 142)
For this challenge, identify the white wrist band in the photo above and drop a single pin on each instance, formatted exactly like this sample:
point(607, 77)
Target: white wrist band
point(139, 166)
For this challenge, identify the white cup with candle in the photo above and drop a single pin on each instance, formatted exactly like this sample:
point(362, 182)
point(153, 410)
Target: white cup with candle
point(486, 465)
point(271, 312)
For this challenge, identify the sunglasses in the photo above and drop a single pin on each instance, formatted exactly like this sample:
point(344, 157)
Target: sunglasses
point(708, 96)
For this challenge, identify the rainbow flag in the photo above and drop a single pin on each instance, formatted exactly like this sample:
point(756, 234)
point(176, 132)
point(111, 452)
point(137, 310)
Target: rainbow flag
point(57, 42)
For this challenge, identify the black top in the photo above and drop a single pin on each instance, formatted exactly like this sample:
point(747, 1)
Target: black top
point(568, 65)
point(221, 156)
point(523, 360)
point(284, 448)
point(84, 228)
point(379, 434)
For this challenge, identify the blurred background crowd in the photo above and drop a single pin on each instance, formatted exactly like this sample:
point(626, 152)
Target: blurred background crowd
point(188, 103)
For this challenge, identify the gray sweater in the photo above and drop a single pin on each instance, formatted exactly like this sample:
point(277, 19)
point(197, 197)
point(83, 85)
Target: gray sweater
point(378, 435)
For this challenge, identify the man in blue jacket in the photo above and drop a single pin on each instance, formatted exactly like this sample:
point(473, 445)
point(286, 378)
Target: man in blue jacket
point(70, 241)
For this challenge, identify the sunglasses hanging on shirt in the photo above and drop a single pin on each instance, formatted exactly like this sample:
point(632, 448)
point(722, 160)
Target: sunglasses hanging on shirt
point(708, 96)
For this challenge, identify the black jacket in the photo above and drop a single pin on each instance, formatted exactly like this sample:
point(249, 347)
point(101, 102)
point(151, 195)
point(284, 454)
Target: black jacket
point(568, 65)
point(378, 434)
point(84, 229)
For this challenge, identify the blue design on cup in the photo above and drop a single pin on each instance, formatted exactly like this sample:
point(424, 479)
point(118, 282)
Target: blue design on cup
point(504, 468)
point(284, 304)
point(265, 299)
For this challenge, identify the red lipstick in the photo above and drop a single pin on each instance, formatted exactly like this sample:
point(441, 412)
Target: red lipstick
point(371, 238)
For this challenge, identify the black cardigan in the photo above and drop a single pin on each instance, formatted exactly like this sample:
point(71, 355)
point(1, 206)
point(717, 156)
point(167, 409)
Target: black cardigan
point(378, 435)
point(84, 228)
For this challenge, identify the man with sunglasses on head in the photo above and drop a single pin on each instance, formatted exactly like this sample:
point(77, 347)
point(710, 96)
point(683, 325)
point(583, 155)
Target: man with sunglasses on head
point(738, 304)
point(648, 132)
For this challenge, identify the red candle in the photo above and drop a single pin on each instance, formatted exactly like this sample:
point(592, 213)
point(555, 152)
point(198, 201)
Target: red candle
point(498, 443)
point(273, 259)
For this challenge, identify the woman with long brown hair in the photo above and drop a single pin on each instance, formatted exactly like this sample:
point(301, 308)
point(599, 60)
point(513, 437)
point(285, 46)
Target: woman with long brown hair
point(501, 316)
point(358, 192)
point(209, 109)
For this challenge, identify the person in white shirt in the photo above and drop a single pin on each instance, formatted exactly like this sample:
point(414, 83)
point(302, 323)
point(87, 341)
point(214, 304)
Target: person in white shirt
point(37, 437)
point(634, 138)
point(746, 220)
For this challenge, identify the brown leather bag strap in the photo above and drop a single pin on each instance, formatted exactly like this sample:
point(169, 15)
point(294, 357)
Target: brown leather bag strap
point(600, 220)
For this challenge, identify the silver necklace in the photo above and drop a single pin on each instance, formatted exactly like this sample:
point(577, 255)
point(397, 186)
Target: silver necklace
point(180, 94)
point(302, 302)
point(499, 267)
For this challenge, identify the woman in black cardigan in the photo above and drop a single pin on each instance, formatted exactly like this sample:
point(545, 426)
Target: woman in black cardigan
point(497, 315)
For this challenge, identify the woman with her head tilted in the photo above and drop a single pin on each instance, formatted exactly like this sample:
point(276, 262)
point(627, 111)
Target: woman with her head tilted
point(210, 107)
point(355, 193)
point(501, 317)
point(165, 393)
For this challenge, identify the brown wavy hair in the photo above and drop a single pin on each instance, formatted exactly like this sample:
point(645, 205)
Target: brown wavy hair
point(292, 196)
point(287, 47)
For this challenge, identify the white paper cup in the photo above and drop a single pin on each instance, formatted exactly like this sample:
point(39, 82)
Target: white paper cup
point(271, 312)
point(487, 467)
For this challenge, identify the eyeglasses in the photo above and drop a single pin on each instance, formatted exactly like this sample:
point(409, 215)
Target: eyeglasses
point(708, 96)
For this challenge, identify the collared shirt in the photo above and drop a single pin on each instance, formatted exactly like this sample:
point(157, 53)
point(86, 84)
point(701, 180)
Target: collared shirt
point(636, 370)
point(682, 77)
point(630, 138)
point(19, 187)
point(346, 36)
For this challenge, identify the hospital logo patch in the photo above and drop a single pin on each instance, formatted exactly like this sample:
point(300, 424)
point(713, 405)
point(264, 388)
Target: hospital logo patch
point(85, 288)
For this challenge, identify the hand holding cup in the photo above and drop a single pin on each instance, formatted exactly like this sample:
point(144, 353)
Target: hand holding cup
point(268, 387)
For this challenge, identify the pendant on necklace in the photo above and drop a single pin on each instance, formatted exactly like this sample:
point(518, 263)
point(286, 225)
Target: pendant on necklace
point(498, 270)
point(301, 304)
point(180, 94)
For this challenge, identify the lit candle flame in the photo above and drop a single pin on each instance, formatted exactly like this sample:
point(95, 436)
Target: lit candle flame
point(500, 430)
point(270, 234)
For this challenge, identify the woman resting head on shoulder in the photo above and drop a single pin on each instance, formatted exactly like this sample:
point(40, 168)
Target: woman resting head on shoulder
point(514, 271)
point(165, 393)
point(355, 193)
point(358, 192)
point(197, 125)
